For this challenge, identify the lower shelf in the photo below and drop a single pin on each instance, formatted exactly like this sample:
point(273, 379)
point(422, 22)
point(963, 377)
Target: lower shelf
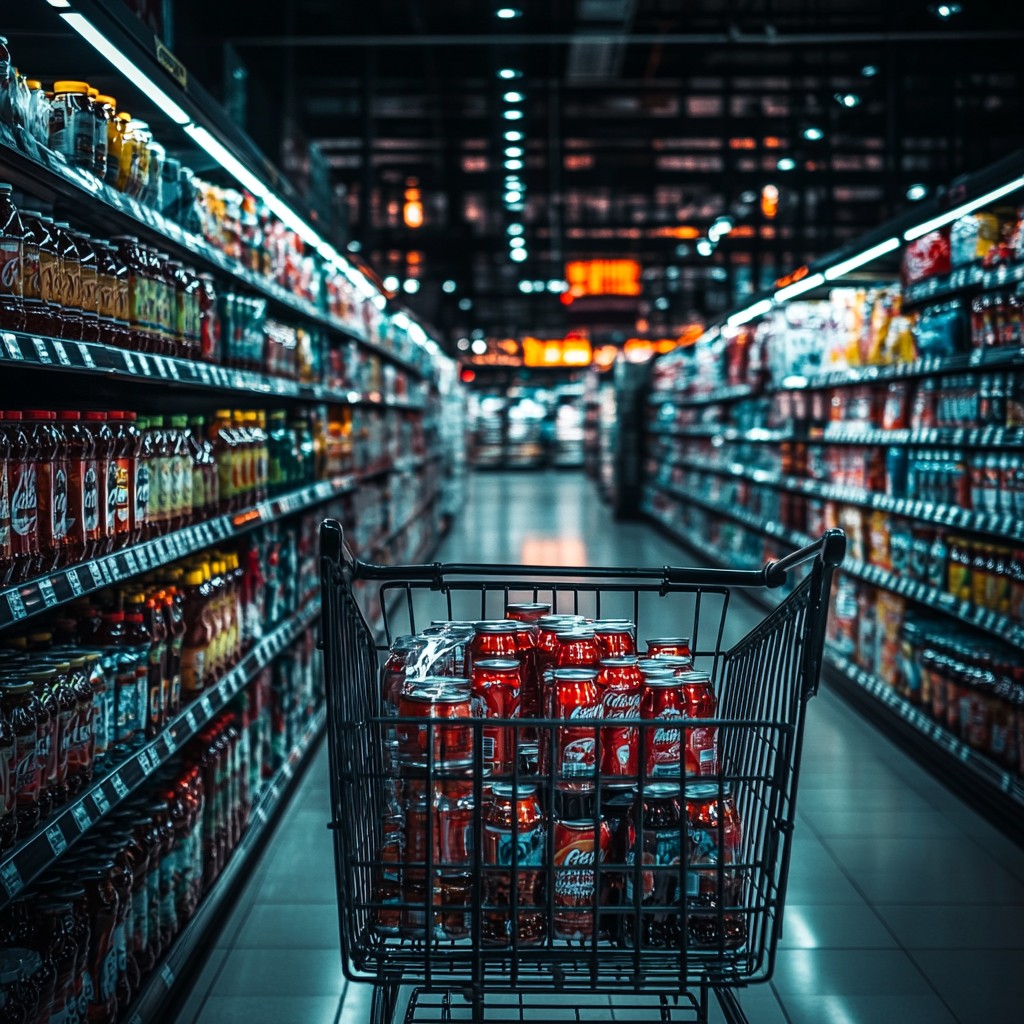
point(158, 990)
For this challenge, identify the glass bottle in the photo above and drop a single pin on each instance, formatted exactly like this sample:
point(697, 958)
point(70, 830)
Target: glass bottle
point(12, 245)
point(22, 709)
point(97, 425)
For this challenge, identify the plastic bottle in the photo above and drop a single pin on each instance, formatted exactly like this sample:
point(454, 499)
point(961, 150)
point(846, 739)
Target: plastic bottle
point(44, 447)
point(82, 488)
point(72, 124)
point(116, 128)
point(12, 244)
point(146, 648)
point(90, 286)
point(182, 473)
point(224, 442)
point(120, 477)
point(46, 736)
point(69, 282)
point(6, 473)
point(24, 497)
point(102, 445)
point(197, 635)
point(110, 297)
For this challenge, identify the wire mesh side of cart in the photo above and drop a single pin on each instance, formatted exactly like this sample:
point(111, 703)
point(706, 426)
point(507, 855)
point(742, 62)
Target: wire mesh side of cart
point(714, 916)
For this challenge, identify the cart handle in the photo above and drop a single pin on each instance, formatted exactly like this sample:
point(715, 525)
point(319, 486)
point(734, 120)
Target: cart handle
point(830, 548)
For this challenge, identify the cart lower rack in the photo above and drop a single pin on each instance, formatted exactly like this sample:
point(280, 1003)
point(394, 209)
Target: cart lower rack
point(507, 864)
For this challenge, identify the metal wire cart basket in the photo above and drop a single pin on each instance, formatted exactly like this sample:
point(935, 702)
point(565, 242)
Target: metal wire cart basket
point(675, 884)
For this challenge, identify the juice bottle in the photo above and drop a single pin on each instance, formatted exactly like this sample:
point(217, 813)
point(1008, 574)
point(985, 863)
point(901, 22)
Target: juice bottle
point(215, 658)
point(138, 291)
point(197, 634)
point(243, 462)
point(196, 447)
point(181, 472)
point(159, 664)
point(90, 286)
point(209, 320)
point(41, 295)
point(161, 477)
point(69, 282)
point(12, 245)
point(150, 658)
point(174, 616)
point(106, 481)
point(82, 490)
point(116, 128)
point(224, 442)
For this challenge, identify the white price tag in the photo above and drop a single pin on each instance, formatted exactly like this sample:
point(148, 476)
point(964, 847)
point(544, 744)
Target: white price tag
point(120, 786)
point(82, 817)
point(46, 591)
point(172, 365)
point(190, 720)
point(41, 351)
point(207, 705)
point(96, 574)
point(12, 346)
point(144, 363)
point(133, 565)
point(146, 761)
point(55, 837)
point(11, 878)
point(167, 975)
point(129, 362)
point(74, 582)
point(15, 603)
point(62, 356)
point(204, 372)
point(99, 798)
point(87, 360)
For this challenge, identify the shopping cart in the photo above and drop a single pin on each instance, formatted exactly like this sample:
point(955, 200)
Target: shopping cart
point(658, 939)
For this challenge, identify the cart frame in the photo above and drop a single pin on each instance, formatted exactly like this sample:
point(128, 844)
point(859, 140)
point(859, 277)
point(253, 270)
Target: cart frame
point(764, 681)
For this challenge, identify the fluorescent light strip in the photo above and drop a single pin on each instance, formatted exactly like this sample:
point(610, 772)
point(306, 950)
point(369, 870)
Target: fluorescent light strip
point(861, 258)
point(202, 138)
point(959, 211)
point(135, 74)
point(793, 290)
point(757, 309)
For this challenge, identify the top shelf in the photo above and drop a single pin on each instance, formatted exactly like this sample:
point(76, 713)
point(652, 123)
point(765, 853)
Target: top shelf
point(37, 170)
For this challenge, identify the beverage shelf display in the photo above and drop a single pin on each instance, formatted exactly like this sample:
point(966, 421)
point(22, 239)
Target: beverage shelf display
point(889, 402)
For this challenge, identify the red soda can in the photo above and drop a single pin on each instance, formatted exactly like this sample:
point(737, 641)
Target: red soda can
point(494, 638)
point(576, 698)
point(395, 669)
point(662, 700)
point(577, 648)
point(527, 611)
point(701, 741)
point(497, 687)
point(621, 684)
point(577, 848)
point(616, 638)
point(674, 662)
point(548, 628)
point(679, 646)
point(440, 740)
point(453, 802)
point(526, 642)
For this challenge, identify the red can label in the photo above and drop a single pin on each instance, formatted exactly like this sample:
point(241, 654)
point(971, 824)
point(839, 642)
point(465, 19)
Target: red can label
point(619, 743)
point(576, 850)
point(663, 746)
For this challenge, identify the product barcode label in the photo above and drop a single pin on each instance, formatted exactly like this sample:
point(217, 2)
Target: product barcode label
point(87, 360)
point(74, 582)
point(488, 748)
point(207, 705)
point(12, 346)
point(10, 877)
point(41, 351)
point(96, 573)
point(15, 603)
point(133, 566)
point(129, 362)
point(55, 837)
point(81, 815)
point(46, 591)
point(120, 787)
point(62, 356)
point(99, 798)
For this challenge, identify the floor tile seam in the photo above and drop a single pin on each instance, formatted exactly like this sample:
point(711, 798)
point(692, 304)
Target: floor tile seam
point(874, 910)
point(209, 988)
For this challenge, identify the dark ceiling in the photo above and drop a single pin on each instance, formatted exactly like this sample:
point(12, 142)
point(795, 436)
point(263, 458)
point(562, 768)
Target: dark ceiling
point(641, 120)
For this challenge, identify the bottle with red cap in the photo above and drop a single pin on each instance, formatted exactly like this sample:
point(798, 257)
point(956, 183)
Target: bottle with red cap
point(24, 497)
point(12, 241)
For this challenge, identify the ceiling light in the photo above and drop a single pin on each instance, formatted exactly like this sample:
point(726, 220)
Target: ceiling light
point(861, 258)
point(945, 11)
point(448, 287)
point(748, 196)
point(506, 13)
point(557, 286)
point(509, 73)
point(869, 71)
point(526, 287)
point(390, 283)
point(513, 136)
point(661, 303)
point(134, 74)
point(412, 286)
point(757, 309)
point(721, 227)
point(465, 304)
point(517, 243)
point(518, 255)
point(916, 192)
point(958, 211)
point(513, 197)
point(513, 97)
point(786, 163)
point(513, 151)
point(202, 138)
point(515, 229)
point(847, 99)
point(478, 348)
point(704, 247)
point(813, 134)
point(354, 246)
point(516, 207)
point(462, 344)
point(513, 165)
point(805, 285)
point(512, 115)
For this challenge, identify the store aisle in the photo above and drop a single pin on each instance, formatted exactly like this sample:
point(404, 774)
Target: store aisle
point(903, 905)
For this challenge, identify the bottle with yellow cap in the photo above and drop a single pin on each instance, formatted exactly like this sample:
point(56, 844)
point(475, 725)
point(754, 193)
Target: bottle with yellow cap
point(118, 161)
point(38, 111)
point(103, 110)
point(72, 125)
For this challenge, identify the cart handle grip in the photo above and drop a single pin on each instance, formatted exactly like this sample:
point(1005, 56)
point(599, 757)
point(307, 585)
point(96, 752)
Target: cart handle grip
point(830, 548)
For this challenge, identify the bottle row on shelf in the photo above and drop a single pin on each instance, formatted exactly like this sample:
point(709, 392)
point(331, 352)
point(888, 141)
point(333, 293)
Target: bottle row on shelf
point(58, 282)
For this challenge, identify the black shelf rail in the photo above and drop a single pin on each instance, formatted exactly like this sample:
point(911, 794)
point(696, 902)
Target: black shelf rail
point(25, 600)
point(44, 173)
point(35, 352)
point(970, 279)
point(151, 1003)
point(1004, 358)
point(27, 861)
point(983, 619)
point(998, 525)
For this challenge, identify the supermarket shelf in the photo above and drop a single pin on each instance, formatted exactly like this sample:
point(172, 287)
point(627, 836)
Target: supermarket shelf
point(152, 1001)
point(727, 394)
point(1002, 526)
point(971, 278)
point(961, 767)
point(120, 364)
point(420, 510)
point(37, 595)
point(44, 172)
point(982, 619)
point(30, 858)
point(725, 433)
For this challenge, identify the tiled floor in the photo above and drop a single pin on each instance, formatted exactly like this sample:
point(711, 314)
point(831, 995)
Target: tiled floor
point(904, 906)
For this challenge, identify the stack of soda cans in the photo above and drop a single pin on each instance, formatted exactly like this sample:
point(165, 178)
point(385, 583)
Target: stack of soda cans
point(562, 793)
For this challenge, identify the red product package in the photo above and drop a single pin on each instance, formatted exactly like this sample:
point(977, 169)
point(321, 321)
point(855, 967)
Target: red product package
point(926, 256)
